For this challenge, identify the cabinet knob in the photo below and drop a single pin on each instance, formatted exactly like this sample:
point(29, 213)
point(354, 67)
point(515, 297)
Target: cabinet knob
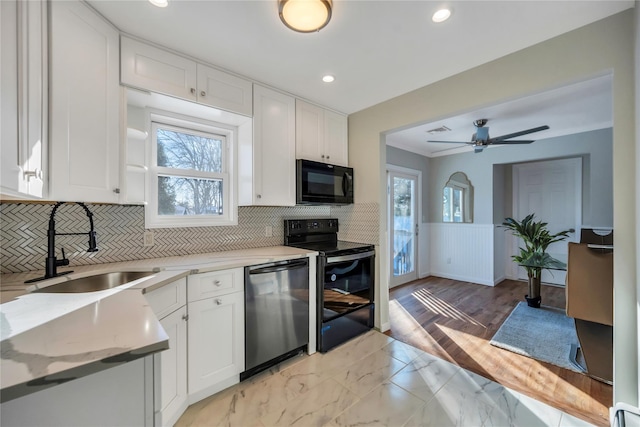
point(203, 93)
point(322, 156)
point(37, 174)
point(218, 301)
point(217, 282)
point(327, 157)
point(193, 90)
point(258, 196)
point(185, 317)
point(116, 190)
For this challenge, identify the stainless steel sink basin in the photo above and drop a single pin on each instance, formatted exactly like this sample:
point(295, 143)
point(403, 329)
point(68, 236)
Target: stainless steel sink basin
point(99, 282)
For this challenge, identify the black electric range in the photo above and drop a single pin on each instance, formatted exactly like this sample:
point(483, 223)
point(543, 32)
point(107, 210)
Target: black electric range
point(345, 279)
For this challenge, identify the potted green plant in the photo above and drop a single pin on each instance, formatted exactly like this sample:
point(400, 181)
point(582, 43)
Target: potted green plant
point(537, 239)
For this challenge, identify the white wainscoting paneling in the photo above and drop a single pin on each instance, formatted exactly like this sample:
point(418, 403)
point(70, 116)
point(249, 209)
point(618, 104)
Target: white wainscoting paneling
point(462, 252)
point(423, 251)
point(501, 260)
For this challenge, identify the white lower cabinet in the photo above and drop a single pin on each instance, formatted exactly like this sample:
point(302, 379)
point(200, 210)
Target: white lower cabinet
point(113, 397)
point(216, 334)
point(170, 366)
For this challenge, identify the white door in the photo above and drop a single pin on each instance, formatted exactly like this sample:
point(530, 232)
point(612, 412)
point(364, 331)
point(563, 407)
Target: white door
point(403, 205)
point(553, 191)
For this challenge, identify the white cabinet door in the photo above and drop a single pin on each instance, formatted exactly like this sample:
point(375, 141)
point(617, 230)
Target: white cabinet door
point(171, 369)
point(216, 344)
point(84, 104)
point(309, 131)
point(225, 91)
point(23, 115)
point(274, 166)
point(150, 68)
point(157, 70)
point(321, 135)
point(335, 138)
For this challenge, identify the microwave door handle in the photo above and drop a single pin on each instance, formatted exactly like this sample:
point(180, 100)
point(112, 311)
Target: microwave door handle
point(345, 185)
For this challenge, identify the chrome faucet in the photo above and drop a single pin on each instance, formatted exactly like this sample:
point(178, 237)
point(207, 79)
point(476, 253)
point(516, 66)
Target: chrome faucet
point(52, 263)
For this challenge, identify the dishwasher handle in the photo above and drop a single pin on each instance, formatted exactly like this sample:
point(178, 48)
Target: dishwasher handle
point(274, 268)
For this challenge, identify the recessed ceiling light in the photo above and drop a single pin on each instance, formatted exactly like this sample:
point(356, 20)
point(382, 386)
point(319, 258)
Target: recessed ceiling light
point(441, 15)
point(159, 3)
point(328, 78)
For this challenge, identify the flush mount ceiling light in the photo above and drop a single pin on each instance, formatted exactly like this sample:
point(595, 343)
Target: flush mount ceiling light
point(441, 15)
point(328, 78)
point(159, 3)
point(305, 16)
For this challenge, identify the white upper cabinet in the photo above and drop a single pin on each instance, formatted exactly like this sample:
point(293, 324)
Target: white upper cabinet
point(268, 167)
point(23, 116)
point(85, 117)
point(150, 68)
point(321, 134)
point(221, 90)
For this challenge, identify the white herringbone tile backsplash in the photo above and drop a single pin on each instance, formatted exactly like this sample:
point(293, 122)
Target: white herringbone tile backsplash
point(120, 228)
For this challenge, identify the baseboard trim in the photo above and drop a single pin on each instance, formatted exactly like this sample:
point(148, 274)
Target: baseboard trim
point(463, 278)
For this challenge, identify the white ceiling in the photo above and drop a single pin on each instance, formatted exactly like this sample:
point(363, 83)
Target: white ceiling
point(377, 49)
point(579, 107)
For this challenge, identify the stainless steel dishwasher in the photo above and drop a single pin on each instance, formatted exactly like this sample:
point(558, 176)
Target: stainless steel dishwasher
point(276, 313)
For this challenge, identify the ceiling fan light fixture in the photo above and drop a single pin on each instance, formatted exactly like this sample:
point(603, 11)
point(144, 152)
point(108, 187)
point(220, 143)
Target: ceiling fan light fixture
point(305, 16)
point(441, 15)
point(159, 3)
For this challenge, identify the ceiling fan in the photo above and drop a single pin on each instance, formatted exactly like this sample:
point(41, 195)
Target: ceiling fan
point(480, 139)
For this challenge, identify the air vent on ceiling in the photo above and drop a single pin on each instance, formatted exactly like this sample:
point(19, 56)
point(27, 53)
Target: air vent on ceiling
point(438, 130)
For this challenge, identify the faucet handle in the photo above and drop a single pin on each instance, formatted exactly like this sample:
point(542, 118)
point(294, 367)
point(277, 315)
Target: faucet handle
point(63, 261)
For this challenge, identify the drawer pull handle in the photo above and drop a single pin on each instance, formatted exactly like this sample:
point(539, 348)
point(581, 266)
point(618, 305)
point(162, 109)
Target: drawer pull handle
point(218, 301)
point(217, 282)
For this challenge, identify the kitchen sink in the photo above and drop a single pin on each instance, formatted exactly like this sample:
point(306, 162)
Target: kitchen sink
point(99, 282)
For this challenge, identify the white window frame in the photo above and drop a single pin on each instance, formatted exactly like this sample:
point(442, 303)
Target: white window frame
point(228, 175)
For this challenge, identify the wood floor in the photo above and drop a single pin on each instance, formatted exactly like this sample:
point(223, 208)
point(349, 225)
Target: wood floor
point(456, 320)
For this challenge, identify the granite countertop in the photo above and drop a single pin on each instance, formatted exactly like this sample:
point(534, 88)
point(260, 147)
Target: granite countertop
point(47, 339)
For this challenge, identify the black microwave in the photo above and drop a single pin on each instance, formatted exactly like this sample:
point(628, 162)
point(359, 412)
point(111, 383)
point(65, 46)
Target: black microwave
point(323, 184)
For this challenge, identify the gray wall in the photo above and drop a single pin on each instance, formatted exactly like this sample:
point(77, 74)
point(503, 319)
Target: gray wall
point(490, 175)
point(407, 159)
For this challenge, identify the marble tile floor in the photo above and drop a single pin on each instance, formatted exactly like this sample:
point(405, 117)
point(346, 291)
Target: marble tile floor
point(372, 380)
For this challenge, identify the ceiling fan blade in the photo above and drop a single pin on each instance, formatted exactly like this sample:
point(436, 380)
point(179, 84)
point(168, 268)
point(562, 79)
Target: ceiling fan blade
point(519, 141)
point(453, 142)
point(515, 134)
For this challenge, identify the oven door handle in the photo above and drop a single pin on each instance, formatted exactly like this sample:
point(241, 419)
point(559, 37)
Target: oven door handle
point(334, 259)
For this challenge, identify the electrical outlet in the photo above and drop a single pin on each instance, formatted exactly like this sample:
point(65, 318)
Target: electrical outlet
point(148, 238)
point(268, 231)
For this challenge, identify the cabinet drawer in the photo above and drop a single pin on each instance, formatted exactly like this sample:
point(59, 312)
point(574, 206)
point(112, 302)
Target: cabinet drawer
point(216, 283)
point(168, 298)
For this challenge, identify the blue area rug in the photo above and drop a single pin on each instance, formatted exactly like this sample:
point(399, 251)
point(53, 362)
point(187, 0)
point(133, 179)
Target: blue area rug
point(544, 334)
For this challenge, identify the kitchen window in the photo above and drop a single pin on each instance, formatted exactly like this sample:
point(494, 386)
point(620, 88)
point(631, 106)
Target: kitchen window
point(191, 181)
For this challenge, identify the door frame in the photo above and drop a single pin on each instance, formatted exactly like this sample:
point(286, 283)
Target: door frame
point(513, 241)
point(418, 200)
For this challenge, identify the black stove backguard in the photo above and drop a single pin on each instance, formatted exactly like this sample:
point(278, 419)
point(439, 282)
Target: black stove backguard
point(345, 280)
